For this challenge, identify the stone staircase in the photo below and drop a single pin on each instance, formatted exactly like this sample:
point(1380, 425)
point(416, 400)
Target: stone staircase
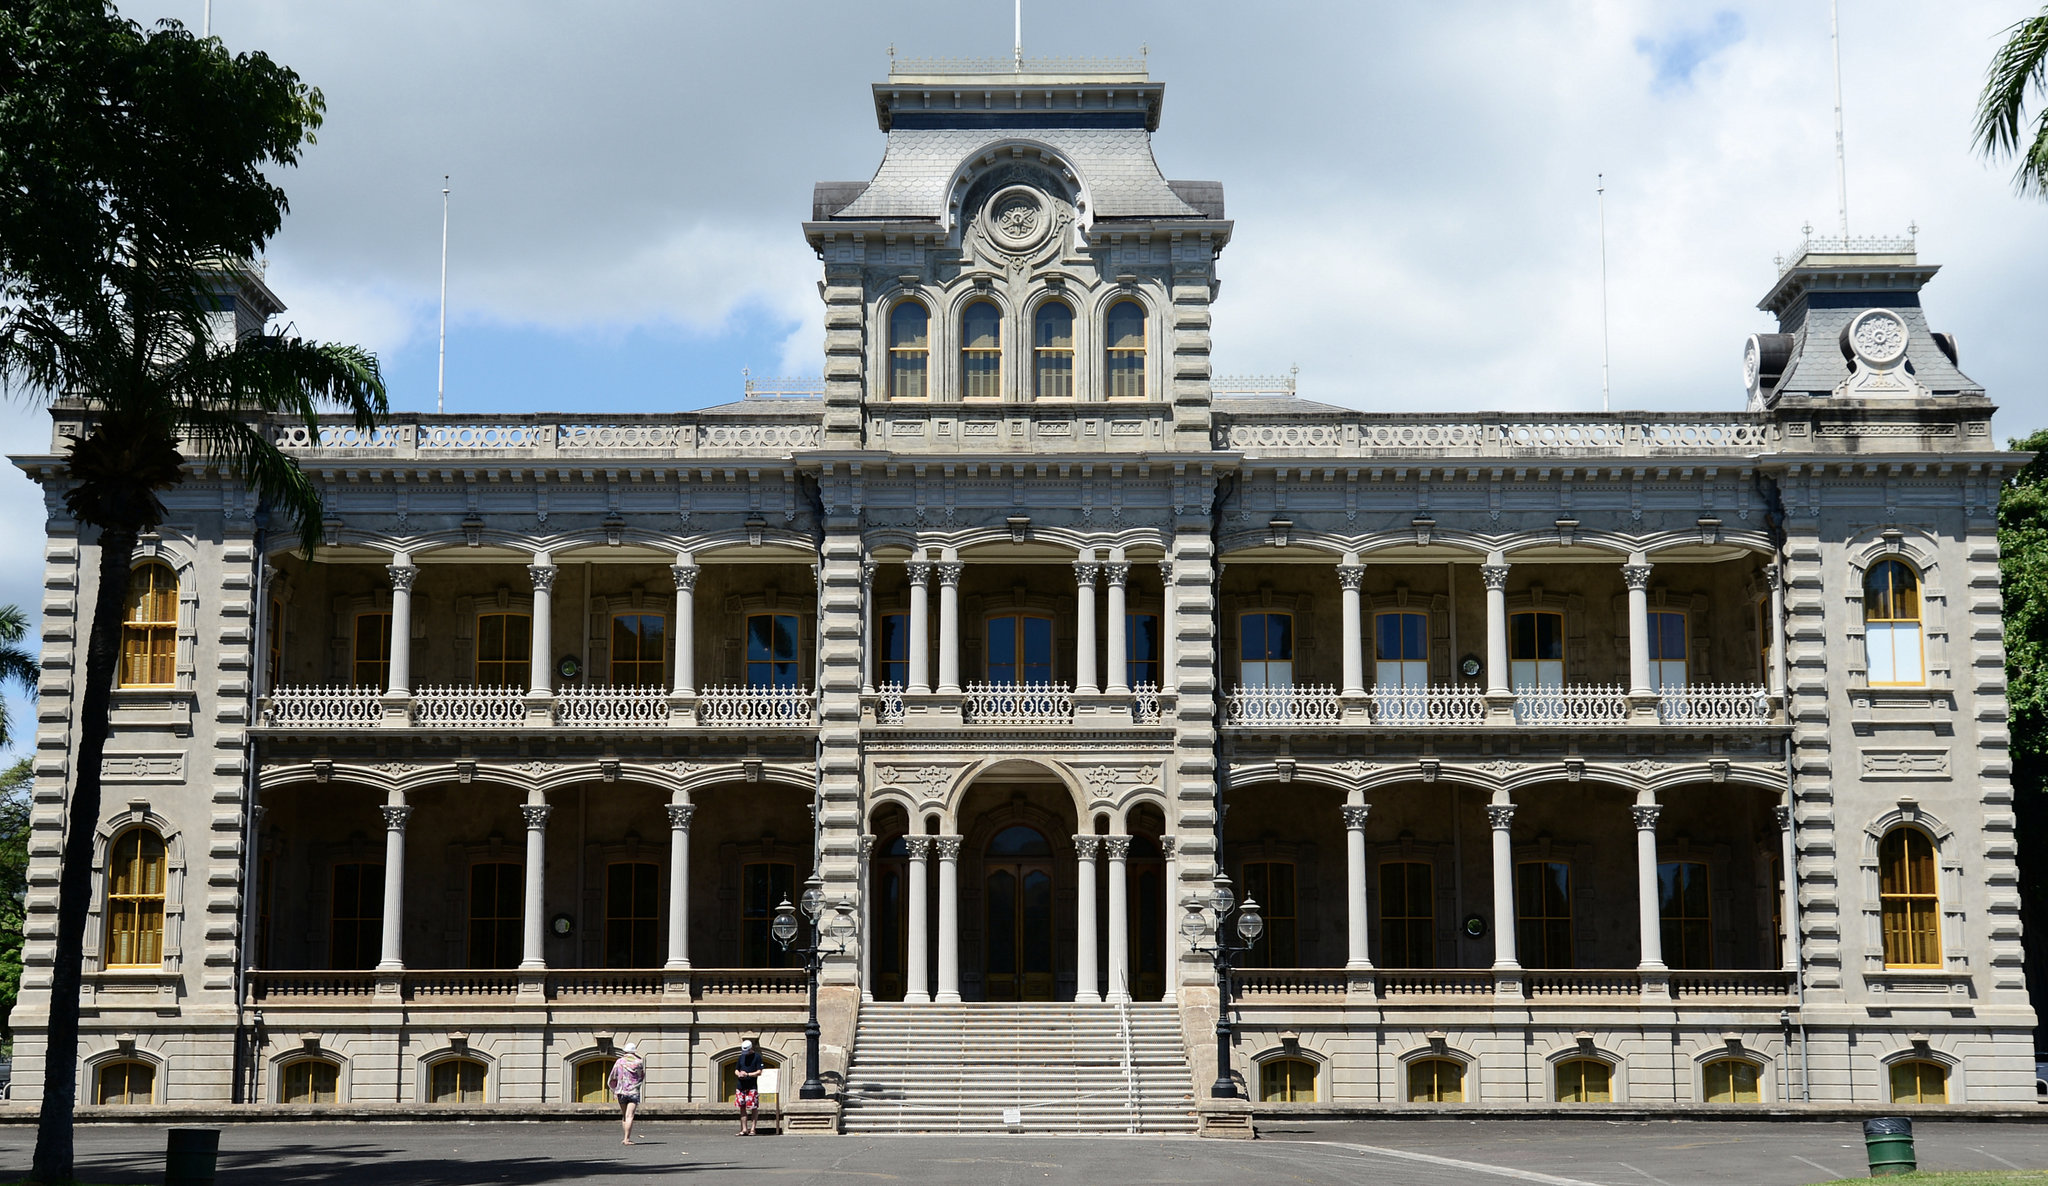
point(1020, 1068)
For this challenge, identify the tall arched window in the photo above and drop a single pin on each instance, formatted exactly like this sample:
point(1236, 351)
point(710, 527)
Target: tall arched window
point(149, 630)
point(457, 1081)
point(981, 351)
point(1584, 1081)
point(909, 350)
point(1124, 350)
point(310, 1081)
point(1919, 1081)
point(1436, 1081)
point(1287, 1081)
point(1731, 1081)
point(1910, 901)
point(1891, 624)
point(135, 900)
point(1052, 351)
point(129, 1081)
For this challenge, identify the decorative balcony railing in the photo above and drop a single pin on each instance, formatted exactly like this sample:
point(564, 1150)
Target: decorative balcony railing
point(325, 707)
point(1408, 434)
point(1714, 704)
point(605, 706)
point(469, 707)
point(889, 704)
point(1731, 984)
point(414, 436)
point(1289, 982)
point(743, 706)
point(1299, 704)
point(1460, 705)
point(1145, 706)
point(1590, 704)
point(1018, 704)
point(499, 987)
point(1436, 982)
point(1624, 982)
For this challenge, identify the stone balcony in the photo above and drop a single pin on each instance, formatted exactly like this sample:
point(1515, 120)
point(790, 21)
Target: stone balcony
point(463, 708)
point(1467, 706)
point(555, 986)
point(1031, 706)
point(1483, 987)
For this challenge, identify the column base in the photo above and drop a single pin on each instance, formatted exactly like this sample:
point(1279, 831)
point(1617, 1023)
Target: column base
point(1118, 998)
point(1656, 984)
point(1087, 998)
point(917, 998)
point(533, 983)
point(1500, 708)
point(1642, 707)
point(946, 998)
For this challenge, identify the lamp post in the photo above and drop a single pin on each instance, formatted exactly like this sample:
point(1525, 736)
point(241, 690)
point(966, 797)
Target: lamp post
point(1250, 925)
point(784, 929)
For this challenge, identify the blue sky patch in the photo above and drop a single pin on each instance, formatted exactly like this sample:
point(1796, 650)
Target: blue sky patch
point(1682, 51)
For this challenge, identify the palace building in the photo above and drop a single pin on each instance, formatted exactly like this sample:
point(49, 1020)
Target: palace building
point(1569, 758)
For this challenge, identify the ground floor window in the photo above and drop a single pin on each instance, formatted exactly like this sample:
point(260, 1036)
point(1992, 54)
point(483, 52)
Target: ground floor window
point(456, 1081)
point(594, 1080)
point(1732, 1081)
point(1436, 1081)
point(1584, 1081)
point(729, 1083)
point(1918, 1081)
point(130, 1081)
point(1287, 1081)
point(311, 1081)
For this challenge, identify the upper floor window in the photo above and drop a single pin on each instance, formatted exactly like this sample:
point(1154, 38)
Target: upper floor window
point(1407, 915)
point(1019, 650)
point(149, 630)
point(504, 650)
point(632, 912)
point(1543, 914)
point(372, 667)
point(1141, 648)
point(497, 891)
point(1265, 650)
point(981, 351)
point(1685, 913)
point(638, 642)
point(1535, 650)
point(355, 927)
point(1909, 899)
point(763, 886)
point(1271, 884)
point(274, 642)
point(136, 870)
point(892, 650)
point(1052, 353)
point(1401, 645)
point(771, 651)
point(1891, 624)
point(909, 351)
point(1124, 350)
point(1667, 650)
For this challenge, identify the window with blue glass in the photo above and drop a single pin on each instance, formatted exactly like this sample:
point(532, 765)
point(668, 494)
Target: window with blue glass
point(1667, 650)
point(771, 651)
point(1141, 648)
point(1266, 650)
point(1019, 650)
point(892, 653)
point(1401, 650)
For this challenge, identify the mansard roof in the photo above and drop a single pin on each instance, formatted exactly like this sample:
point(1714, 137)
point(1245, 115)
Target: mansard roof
point(1115, 165)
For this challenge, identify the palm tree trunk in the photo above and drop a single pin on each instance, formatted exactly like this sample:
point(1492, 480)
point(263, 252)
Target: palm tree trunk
point(54, 1150)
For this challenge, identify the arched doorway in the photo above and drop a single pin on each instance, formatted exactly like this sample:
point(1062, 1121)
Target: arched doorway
point(1017, 876)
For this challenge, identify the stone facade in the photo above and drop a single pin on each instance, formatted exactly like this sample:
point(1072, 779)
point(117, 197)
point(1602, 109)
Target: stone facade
point(1011, 626)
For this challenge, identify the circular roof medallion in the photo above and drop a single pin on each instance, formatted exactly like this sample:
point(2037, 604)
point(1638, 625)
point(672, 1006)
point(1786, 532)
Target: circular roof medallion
point(1878, 336)
point(1752, 364)
point(1018, 218)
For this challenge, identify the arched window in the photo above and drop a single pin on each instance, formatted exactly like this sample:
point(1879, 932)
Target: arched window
point(1731, 1081)
point(456, 1081)
point(1891, 624)
point(981, 351)
point(149, 629)
point(909, 350)
point(504, 650)
point(1124, 350)
point(729, 1083)
point(1918, 1081)
point(1287, 1081)
point(135, 900)
point(594, 1080)
point(1584, 1081)
point(1052, 351)
point(1436, 1081)
point(1909, 898)
point(129, 1081)
point(310, 1081)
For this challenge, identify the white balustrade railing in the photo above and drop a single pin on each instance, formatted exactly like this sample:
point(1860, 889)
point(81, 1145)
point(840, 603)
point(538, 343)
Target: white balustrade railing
point(1299, 704)
point(744, 706)
point(1460, 705)
point(472, 707)
point(1589, 704)
point(614, 707)
point(1018, 704)
point(889, 704)
point(1145, 706)
point(331, 707)
point(412, 436)
point(1714, 704)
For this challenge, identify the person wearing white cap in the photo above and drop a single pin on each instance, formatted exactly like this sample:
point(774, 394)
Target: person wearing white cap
point(628, 1074)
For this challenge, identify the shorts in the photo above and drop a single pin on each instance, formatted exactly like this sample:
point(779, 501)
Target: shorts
point(625, 1098)
point(747, 1100)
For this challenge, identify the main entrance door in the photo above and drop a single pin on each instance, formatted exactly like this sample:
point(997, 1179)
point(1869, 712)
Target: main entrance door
point(1017, 878)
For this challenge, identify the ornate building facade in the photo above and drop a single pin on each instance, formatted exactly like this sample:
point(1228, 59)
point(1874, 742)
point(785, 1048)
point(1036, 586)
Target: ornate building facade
point(1643, 757)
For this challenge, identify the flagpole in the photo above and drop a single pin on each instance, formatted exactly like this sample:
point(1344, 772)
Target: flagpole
point(441, 377)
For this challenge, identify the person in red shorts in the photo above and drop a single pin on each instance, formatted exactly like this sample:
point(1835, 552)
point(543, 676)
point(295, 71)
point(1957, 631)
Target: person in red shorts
point(746, 1073)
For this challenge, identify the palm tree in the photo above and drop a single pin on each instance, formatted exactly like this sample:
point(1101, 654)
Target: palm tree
point(2019, 66)
point(17, 665)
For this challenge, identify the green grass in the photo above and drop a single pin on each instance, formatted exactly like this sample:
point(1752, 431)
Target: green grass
point(1974, 1178)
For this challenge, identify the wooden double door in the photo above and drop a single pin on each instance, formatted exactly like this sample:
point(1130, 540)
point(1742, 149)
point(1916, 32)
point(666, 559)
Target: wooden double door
point(1017, 879)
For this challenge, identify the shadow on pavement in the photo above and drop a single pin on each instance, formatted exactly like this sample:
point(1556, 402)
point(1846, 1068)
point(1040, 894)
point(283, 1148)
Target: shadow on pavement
point(318, 1165)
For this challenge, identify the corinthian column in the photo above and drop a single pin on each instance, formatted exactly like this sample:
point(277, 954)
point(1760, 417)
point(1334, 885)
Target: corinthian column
point(917, 984)
point(1084, 626)
point(1649, 918)
point(679, 884)
point(949, 627)
point(1501, 817)
point(1350, 578)
point(1356, 901)
point(949, 919)
point(685, 574)
point(534, 911)
point(1117, 573)
point(542, 666)
point(1087, 982)
point(402, 576)
point(391, 930)
point(1119, 850)
point(920, 574)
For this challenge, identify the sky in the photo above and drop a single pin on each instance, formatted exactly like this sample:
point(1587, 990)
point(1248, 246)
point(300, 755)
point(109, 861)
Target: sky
point(1413, 186)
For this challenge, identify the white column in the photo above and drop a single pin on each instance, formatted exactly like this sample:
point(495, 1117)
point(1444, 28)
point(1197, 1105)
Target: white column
point(542, 681)
point(1356, 896)
point(1084, 625)
point(949, 919)
point(1087, 982)
point(685, 573)
point(391, 957)
point(1501, 816)
point(1168, 640)
point(1119, 850)
point(870, 654)
point(1349, 578)
point(679, 884)
point(949, 625)
point(1171, 909)
point(867, 918)
point(1649, 918)
point(1636, 575)
point(402, 576)
point(920, 626)
point(917, 984)
point(1788, 885)
point(1117, 572)
point(1496, 578)
point(1775, 576)
point(535, 916)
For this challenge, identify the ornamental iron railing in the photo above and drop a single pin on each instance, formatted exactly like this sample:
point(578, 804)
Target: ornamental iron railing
point(1462, 704)
point(745, 706)
point(889, 704)
point(1714, 704)
point(470, 707)
point(1018, 704)
point(607, 706)
point(1296, 704)
point(1588, 704)
point(1146, 708)
point(325, 706)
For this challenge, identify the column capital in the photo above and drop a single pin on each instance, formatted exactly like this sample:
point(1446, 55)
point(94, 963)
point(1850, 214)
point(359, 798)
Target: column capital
point(1645, 815)
point(402, 576)
point(1166, 572)
point(1166, 846)
point(1116, 574)
point(1495, 576)
point(1086, 847)
point(1355, 813)
point(947, 847)
point(949, 573)
point(1085, 574)
point(1772, 575)
point(395, 815)
point(1116, 848)
point(543, 576)
point(867, 846)
point(1500, 816)
point(1783, 814)
point(1351, 577)
point(917, 847)
point(536, 815)
point(679, 816)
point(867, 574)
point(685, 576)
point(1635, 576)
point(919, 571)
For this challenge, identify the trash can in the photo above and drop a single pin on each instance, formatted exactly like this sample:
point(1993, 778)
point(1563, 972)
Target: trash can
point(1890, 1142)
point(190, 1158)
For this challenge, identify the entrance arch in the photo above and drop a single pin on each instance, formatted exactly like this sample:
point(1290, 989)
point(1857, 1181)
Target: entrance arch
point(1017, 901)
point(1017, 886)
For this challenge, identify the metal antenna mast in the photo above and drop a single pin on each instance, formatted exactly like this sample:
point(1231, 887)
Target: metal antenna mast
point(1600, 191)
point(1841, 162)
point(206, 22)
point(441, 377)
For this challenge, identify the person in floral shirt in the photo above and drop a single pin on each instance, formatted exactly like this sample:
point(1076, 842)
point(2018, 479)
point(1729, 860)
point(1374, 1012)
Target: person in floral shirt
point(629, 1073)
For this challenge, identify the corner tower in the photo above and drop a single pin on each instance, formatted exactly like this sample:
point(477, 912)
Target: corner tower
point(1018, 248)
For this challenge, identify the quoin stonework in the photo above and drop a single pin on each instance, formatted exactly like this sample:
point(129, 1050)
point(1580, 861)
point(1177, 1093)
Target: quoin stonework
point(1569, 757)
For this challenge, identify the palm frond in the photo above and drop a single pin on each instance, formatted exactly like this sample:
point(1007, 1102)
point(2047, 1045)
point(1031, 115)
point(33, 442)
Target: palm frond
point(235, 442)
point(2019, 66)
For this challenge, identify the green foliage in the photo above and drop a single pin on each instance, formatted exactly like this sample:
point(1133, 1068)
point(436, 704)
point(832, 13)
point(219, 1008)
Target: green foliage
point(2023, 561)
point(14, 811)
point(17, 665)
point(2019, 66)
